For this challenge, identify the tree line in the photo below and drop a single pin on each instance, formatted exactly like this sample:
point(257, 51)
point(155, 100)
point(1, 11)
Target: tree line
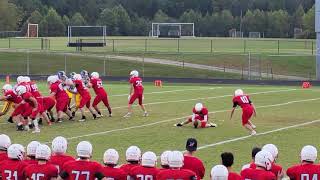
point(133, 18)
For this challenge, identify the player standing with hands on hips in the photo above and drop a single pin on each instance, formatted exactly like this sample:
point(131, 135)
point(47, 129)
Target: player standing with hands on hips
point(248, 110)
point(135, 84)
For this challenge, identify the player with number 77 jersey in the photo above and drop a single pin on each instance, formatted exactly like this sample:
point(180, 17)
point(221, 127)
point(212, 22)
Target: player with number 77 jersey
point(248, 109)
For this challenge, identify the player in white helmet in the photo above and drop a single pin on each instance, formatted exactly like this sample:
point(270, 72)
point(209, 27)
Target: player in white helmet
point(276, 168)
point(133, 157)
point(307, 168)
point(110, 160)
point(164, 160)
point(148, 167)
point(59, 156)
point(175, 161)
point(219, 172)
point(31, 152)
point(199, 117)
point(5, 142)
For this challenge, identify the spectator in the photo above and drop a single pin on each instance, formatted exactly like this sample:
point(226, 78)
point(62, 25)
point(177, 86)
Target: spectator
point(307, 169)
point(254, 151)
point(5, 142)
point(276, 169)
point(164, 160)
point(110, 160)
point(59, 149)
point(219, 172)
point(190, 161)
point(227, 160)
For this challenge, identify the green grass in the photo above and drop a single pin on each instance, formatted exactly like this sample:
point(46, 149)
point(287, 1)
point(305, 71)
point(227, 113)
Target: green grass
point(168, 108)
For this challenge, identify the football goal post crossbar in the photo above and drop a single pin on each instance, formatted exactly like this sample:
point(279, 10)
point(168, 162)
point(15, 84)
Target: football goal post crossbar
point(153, 34)
point(104, 31)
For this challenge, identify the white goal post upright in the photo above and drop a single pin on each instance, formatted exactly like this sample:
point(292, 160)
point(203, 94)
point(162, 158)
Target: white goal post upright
point(155, 31)
point(33, 30)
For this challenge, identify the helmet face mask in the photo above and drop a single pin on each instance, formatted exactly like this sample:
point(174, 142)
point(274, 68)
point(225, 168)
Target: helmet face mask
point(21, 90)
point(16, 151)
point(264, 159)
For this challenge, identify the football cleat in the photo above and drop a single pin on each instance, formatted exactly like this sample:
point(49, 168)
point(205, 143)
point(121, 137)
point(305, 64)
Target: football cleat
point(37, 130)
point(145, 114)
point(26, 128)
point(94, 116)
point(253, 126)
point(20, 128)
point(178, 125)
point(10, 120)
point(83, 119)
point(59, 121)
point(253, 133)
point(110, 115)
point(127, 115)
point(73, 113)
point(40, 121)
point(213, 125)
point(99, 115)
point(31, 126)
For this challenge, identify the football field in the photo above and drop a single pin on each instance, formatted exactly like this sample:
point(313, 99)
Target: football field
point(286, 116)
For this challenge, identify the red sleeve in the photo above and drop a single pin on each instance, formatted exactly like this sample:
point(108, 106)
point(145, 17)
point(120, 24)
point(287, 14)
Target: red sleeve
point(54, 171)
point(205, 111)
point(26, 95)
point(54, 88)
point(194, 110)
point(131, 80)
point(202, 170)
point(290, 172)
point(93, 82)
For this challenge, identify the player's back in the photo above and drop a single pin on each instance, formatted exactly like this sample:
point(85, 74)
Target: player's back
point(3, 156)
point(181, 174)
point(127, 168)
point(304, 171)
point(114, 173)
point(12, 169)
point(34, 89)
point(13, 97)
point(81, 170)
point(137, 84)
point(31, 161)
point(257, 174)
point(204, 111)
point(60, 159)
point(243, 101)
point(41, 171)
point(194, 164)
point(81, 88)
point(234, 176)
point(97, 86)
point(141, 173)
point(58, 89)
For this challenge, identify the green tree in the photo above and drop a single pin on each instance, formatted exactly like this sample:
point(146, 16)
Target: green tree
point(66, 21)
point(52, 24)
point(191, 16)
point(160, 17)
point(9, 16)
point(278, 24)
point(35, 17)
point(77, 20)
point(308, 23)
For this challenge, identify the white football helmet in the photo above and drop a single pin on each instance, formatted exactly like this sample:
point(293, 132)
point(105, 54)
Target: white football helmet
point(94, 75)
point(50, 79)
point(43, 152)
point(149, 159)
point(77, 77)
point(19, 79)
point(21, 90)
point(32, 148)
point(219, 172)
point(164, 158)
point(198, 107)
point(5, 142)
point(7, 87)
point(111, 156)
point(134, 73)
point(133, 153)
point(16, 151)
point(238, 92)
point(27, 79)
point(84, 149)
point(309, 153)
point(175, 159)
point(264, 159)
point(59, 145)
point(271, 148)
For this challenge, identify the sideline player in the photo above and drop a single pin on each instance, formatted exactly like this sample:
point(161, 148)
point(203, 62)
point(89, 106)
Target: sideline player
point(248, 110)
point(110, 160)
point(59, 149)
point(148, 169)
point(199, 116)
point(96, 84)
point(137, 87)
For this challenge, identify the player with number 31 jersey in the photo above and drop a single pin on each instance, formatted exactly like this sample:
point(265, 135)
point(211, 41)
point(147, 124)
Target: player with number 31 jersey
point(248, 109)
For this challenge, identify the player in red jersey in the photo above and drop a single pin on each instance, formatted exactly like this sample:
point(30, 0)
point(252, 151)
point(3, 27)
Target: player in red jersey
point(307, 169)
point(85, 96)
point(110, 160)
point(219, 172)
point(58, 92)
point(248, 110)
point(254, 151)
point(190, 161)
point(59, 149)
point(96, 84)
point(263, 162)
point(13, 167)
point(32, 87)
point(41, 170)
point(83, 168)
point(48, 103)
point(137, 88)
point(5, 142)
point(148, 169)
point(31, 152)
point(175, 159)
point(199, 116)
point(133, 156)
point(164, 160)
point(276, 169)
point(227, 160)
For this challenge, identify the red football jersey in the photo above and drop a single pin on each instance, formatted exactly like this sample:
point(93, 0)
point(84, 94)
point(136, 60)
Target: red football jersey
point(81, 170)
point(242, 101)
point(60, 159)
point(81, 88)
point(97, 86)
point(60, 93)
point(114, 173)
point(34, 89)
point(142, 173)
point(31, 161)
point(202, 113)
point(234, 176)
point(175, 174)
point(41, 171)
point(26, 97)
point(127, 167)
point(137, 85)
point(275, 168)
point(194, 164)
point(304, 171)
point(12, 169)
point(257, 174)
point(13, 97)
point(3, 156)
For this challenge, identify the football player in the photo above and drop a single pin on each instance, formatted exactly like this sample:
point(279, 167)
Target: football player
point(192, 162)
point(307, 169)
point(133, 156)
point(31, 152)
point(175, 159)
point(248, 109)
point(83, 168)
point(164, 160)
point(276, 168)
point(96, 84)
point(59, 149)
point(42, 169)
point(199, 116)
point(136, 92)
point(263, 162)
point(254, 151)
point(5, 142)
point(227, 160)
point(219, 172)
point(148, 169)
point(110, 160)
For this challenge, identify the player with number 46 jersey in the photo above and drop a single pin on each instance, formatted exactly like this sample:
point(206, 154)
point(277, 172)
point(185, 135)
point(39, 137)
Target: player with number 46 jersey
point(248, 109)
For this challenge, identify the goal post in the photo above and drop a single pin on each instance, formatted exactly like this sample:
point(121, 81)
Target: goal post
point(33, 30)
point(87, 36)
point(172, 30)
